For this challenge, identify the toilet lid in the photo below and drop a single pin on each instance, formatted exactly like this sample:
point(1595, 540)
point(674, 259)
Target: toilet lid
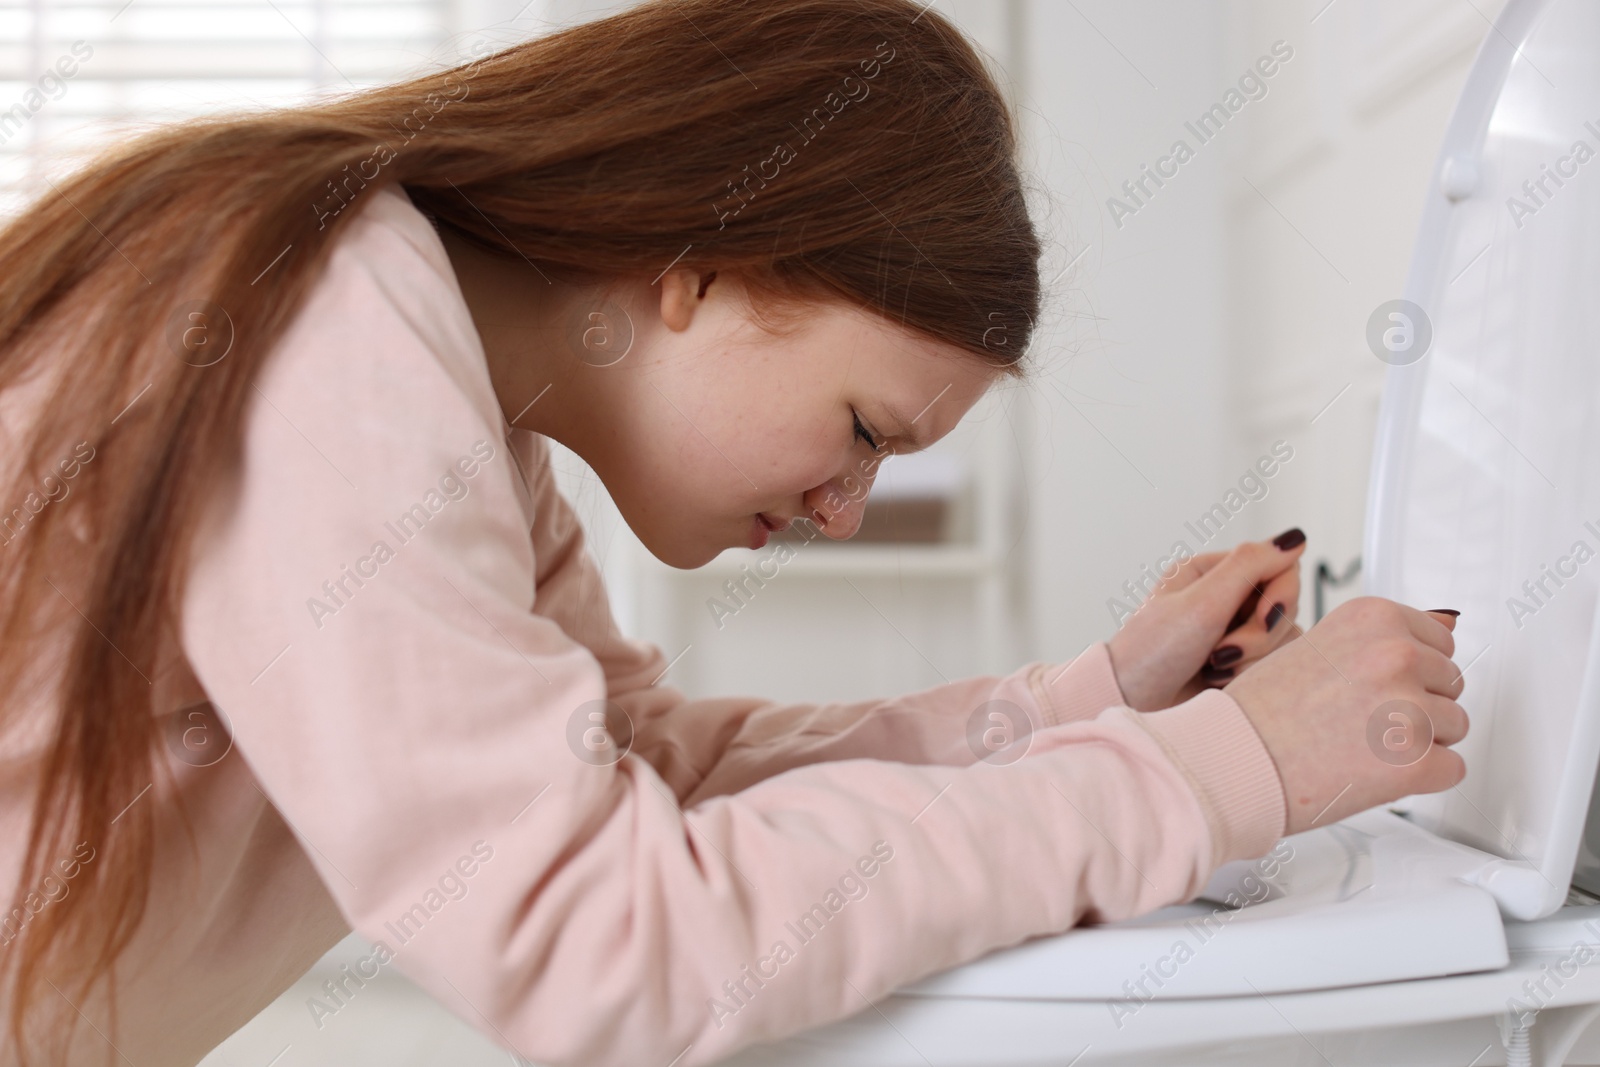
point(1485, 490)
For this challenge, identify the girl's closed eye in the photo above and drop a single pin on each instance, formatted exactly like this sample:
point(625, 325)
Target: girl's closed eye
point(861, 431)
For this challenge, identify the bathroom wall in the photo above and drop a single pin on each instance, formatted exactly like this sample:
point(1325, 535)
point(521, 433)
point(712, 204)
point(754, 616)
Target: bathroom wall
point(1130, 412)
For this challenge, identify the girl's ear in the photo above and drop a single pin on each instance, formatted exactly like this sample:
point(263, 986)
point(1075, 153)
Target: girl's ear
point(678, 298)
point(681, 291)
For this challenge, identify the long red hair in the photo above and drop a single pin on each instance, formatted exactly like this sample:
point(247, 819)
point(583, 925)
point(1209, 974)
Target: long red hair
point(854, 150)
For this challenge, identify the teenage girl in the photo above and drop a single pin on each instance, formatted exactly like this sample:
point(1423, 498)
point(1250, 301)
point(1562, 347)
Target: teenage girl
point(300, 637)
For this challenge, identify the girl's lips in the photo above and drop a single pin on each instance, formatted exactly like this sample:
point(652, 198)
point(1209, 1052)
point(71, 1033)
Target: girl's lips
point(762, 527)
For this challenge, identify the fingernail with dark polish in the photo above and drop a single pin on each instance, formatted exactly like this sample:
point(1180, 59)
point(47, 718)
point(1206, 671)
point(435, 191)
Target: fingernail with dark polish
point(1225, 656)
point(1208, 673)
point(1444, 611)
point(1274, 615)
point(1247, 609)
point(1290, 538)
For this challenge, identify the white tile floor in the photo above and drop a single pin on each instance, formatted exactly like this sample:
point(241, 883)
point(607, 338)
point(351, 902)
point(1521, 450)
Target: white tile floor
point(388, 1021)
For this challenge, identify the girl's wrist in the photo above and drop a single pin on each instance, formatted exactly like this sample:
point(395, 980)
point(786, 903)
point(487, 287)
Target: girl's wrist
point(1129, 677)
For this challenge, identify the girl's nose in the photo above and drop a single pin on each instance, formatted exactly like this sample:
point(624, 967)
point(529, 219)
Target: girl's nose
point(838, 505)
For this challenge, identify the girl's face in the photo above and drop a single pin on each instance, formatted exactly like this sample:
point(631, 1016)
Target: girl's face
point(717, 432)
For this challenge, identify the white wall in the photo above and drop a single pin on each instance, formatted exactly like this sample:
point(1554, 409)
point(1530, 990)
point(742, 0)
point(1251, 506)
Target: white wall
point(1131, 399)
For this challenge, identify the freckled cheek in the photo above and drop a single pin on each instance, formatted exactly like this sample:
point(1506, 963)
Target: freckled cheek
point(786, 451)
point(788, 464)
point(822, 470)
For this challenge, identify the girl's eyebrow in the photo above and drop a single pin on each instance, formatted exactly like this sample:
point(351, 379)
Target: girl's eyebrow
point(905, 429)
point(908, 426)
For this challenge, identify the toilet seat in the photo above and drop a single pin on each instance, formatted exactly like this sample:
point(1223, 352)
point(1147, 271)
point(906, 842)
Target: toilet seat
point(1407, 934)
point(1373, 879)
point(1448, 1020)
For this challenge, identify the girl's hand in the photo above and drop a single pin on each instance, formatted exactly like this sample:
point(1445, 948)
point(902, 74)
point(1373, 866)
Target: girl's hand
point(1218, 614)
point(1362, 711)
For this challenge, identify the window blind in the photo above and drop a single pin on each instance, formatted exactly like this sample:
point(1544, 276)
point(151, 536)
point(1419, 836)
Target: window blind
point(75, 74)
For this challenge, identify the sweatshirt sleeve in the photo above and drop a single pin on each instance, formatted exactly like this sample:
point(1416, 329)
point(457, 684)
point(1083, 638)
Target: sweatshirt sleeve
point(362, 607)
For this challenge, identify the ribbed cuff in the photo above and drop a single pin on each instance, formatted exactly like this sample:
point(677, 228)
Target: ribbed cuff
point(1081, 689)
point(1214, 743)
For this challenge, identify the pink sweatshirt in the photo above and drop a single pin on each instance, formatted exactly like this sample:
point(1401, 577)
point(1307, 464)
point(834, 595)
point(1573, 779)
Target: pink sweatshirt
point(398, 617)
